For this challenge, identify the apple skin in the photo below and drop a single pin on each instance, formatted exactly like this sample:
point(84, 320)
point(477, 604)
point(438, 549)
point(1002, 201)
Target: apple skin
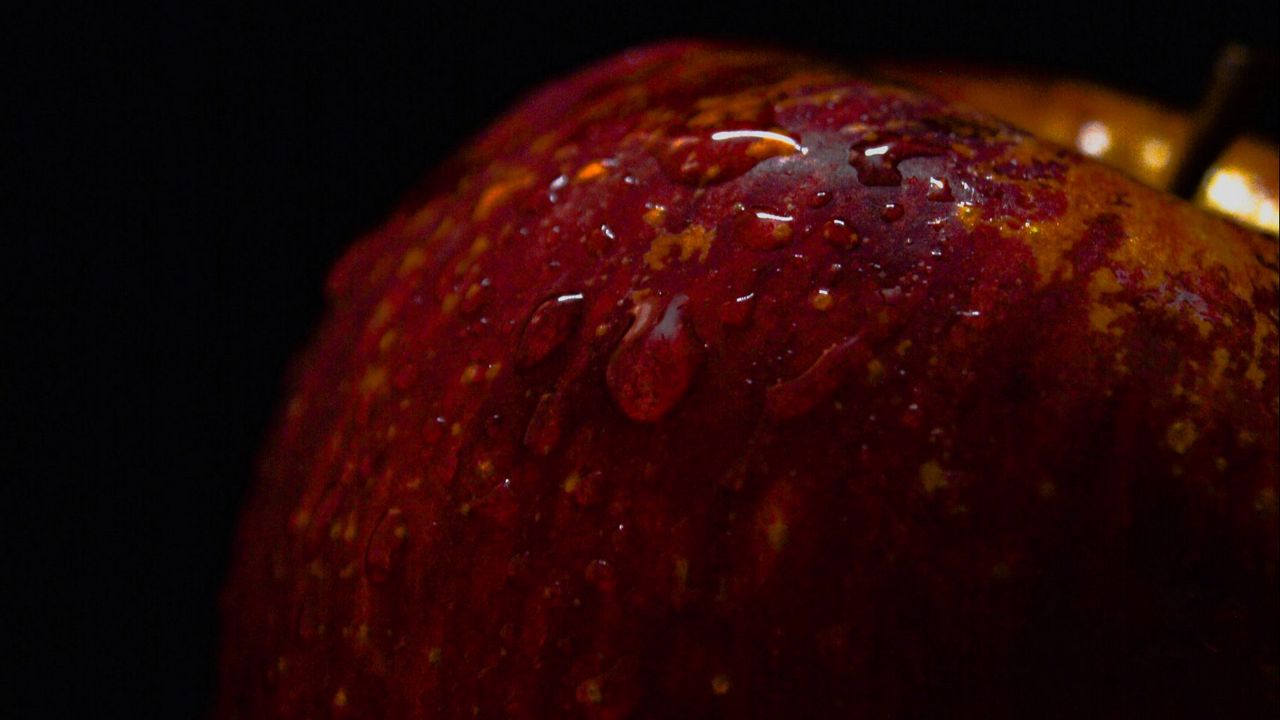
point(718, 382)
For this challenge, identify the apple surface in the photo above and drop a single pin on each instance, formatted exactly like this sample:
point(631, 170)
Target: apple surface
point(1143, 139)
point(721, 382)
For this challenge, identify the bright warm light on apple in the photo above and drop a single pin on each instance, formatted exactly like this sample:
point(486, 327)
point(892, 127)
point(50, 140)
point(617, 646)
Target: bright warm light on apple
point(1268, 215)
point(1094, 139)
point(1235, 192)
point(1155, 153)
point(1229, 191)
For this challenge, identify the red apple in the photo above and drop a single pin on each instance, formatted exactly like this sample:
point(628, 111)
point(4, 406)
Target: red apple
point(715, 382)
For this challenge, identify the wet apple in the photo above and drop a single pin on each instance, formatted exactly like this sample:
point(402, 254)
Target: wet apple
point(717, 382)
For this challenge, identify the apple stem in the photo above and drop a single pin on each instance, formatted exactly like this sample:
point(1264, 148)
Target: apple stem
point(1240, 77)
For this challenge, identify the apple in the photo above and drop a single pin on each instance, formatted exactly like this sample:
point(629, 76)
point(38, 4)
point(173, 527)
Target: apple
point(1140, 137)
point(720, 382)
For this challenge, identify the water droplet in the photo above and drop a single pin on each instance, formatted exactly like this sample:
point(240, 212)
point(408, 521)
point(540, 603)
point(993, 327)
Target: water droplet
point(875, 167)
point(599, 240)
point(876, 155)
point(499, 504)
point(839, 234)
point(763, 230)
point(738, 311)
point(702, 159)
point(385, 542)
point(545, 426)
point(434, 429)
point(939, 190)
point(821, 299)
point(623, 538)
point(892, 295)
point(764, 143)
point(913, 416)
point(892, 212)
point(553, 190)
point(549, 326)
point(601, 574)
point(655, 215)
point(791, 398)
point(654, 364)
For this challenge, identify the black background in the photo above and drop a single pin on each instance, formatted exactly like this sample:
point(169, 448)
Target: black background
point(185, 174)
